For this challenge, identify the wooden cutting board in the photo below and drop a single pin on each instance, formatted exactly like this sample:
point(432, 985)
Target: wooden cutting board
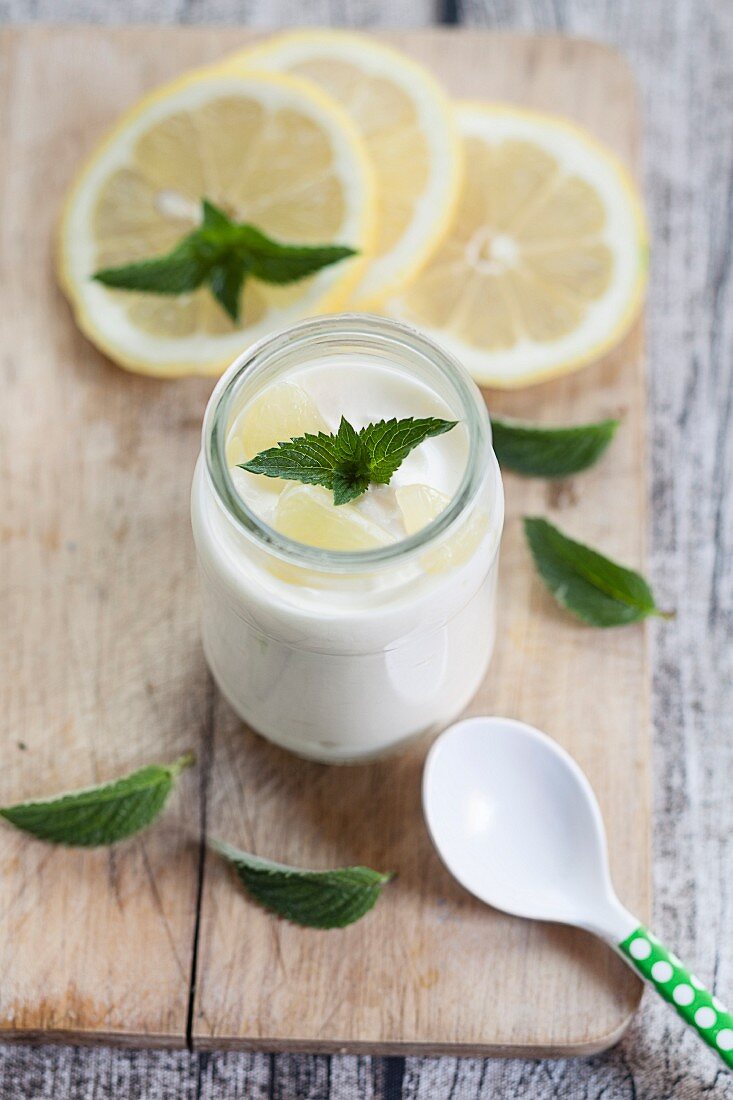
point(152, 942)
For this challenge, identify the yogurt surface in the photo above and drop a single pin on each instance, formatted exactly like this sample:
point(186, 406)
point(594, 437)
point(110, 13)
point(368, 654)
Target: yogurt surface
point(363, 393)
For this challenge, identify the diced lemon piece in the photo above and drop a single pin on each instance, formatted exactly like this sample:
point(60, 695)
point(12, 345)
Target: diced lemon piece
point(544, 267)
point(419, 505)
point(283, 412)
point(409, 132)
point(268, 149)
point(307, 514)
point(236, 452)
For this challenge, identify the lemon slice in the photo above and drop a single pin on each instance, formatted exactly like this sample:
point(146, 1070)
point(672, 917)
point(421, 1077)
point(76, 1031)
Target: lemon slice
point(267, 148)
point(307, 514)
point(409, 132)
point(419, 505)
point(545, 264)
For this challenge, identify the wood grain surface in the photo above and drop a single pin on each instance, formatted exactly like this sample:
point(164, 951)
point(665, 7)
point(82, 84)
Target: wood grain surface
point(681, 51)
point(109, 672)
point(398, 979)
point(99, 672)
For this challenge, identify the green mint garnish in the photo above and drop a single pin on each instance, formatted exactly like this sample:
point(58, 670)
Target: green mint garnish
point(100, 815)
point(316, 899)
point(222, 253)
point(591, 586)
point(349, 461)
point(536, 451)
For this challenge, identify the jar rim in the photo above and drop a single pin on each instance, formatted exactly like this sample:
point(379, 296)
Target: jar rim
point(376, 333)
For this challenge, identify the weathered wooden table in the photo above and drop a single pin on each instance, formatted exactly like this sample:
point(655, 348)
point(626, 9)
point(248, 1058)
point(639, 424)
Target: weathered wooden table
point(682, 53)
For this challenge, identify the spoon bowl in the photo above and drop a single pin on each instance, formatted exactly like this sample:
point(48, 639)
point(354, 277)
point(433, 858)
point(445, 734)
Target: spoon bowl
point(516, 822)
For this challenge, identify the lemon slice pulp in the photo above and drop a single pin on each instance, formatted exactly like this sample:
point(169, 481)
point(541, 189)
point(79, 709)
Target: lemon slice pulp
point(544, 266)
point(268, 149)
point(410, 136)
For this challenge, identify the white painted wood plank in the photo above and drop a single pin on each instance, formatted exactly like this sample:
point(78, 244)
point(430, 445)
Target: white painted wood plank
point(254, 13)
point(681, 53)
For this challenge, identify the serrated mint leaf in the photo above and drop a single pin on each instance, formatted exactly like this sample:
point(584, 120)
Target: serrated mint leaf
point(351, 470)
point(316, 899)
point(103, 814)
point(390, 441)
point(591, 586)
point(536, 451)
point(308, 458)
point(348, 485)
point(222, 254)
point(349, 461)
point(349, 447)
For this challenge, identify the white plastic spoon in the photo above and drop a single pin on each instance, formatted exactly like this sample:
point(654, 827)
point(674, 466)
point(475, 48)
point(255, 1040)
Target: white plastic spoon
point(516, 821)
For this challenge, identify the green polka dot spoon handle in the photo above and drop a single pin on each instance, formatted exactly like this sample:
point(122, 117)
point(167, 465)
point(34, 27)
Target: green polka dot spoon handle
point(686, 993)
point(517, 823)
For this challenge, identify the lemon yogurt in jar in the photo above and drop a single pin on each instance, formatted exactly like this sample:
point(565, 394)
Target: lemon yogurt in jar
point(339, 631)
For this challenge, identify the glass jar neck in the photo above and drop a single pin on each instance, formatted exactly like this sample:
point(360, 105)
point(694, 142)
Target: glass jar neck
point(334, 338)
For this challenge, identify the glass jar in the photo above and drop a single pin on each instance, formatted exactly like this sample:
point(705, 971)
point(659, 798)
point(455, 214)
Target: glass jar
point(336, 655)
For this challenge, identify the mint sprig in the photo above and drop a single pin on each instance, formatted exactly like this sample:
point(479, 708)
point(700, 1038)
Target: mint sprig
point(588, 584)
point(350, 461)
point(538, 451)
point(103, 814)
point(222, 254)
point(316, 899)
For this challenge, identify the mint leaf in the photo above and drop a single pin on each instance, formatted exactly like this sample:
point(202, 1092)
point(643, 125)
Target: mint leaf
point(536, 451)
point(351, 472)
point(287, 263)
point(349, 461)
point(214, 218)
point(103, 814)
point(316, 899)
point(308, 458)
point(349, 446)
point(348, 485)
point(586, 583)
point(226, 280)
point(390, 441)
point(178, 272)
point(222, 253)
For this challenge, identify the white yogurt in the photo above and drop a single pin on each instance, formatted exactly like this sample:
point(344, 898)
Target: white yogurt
point(340, 655)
